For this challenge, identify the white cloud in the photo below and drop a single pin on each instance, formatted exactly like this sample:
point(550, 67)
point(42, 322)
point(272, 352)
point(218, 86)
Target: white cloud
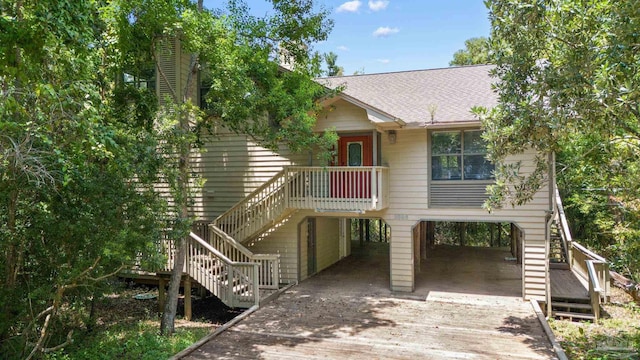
point(378, 5)
point(385, 31)
point(349, 6)
point(343, 48)
point(384, 61)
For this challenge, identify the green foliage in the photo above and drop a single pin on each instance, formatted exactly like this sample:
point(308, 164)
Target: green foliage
point(332, 67)
point(82, 145)
point(476, 52)
point(129, 341)
point(76, 172)
point(569, 84)
point(614, 337)
point(235, 55)
point(475, 234)
point(248, 91)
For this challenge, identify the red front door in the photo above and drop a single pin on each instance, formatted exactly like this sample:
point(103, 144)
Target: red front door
point(353, 151)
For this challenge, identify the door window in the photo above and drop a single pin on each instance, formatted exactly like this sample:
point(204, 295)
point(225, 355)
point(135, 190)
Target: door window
point(354, 153)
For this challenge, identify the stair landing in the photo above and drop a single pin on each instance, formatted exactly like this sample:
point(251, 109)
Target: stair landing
point(565, 284)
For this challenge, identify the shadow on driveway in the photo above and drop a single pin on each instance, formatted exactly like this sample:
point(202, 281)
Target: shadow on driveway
point(348, 312)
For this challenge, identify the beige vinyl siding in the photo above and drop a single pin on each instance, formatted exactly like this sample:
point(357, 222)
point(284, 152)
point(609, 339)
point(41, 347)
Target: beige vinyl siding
point(171, 79)
point(462, 194)
point(327, 242)
point(233, 166)
point(344, 117)
point(290, 241)
point(283, 241)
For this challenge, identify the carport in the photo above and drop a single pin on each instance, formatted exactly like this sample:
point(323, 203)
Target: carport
point(348, 312)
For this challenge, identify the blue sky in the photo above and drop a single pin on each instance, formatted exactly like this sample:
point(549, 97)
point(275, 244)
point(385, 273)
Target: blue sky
point(386, 35)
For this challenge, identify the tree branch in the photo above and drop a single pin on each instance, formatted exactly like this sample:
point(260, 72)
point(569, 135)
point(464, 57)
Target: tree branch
point(43, 334)
point(60, 346)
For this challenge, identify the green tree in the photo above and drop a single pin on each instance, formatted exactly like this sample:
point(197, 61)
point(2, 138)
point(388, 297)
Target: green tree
point(332, 67)
point(569, 84)
point(76, 172)
point(246, 88)
point(476, 52)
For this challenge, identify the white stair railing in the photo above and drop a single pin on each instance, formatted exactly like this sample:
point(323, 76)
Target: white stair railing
point(234, 282)
point(320, 188)
point(268, 264)
point(596, 290)
point(255, 211)
point(325, 189)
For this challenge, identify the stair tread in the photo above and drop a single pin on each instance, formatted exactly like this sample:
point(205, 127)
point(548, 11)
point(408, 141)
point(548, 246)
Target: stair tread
point(573, 315)
point(571, 305)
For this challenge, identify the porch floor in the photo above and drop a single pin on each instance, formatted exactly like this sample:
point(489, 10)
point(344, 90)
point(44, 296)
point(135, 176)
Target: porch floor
point(348, 312)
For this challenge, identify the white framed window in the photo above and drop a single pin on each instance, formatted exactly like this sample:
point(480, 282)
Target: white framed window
point(459, 155)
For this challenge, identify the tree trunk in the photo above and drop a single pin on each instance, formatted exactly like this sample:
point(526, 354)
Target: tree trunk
point(167, 326)
point(11, 256)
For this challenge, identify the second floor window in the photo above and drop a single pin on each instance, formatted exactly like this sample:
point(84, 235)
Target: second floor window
point(146, 81)
point(459, 155)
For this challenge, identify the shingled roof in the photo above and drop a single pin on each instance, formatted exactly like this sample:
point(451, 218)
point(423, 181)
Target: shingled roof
point(408, 96)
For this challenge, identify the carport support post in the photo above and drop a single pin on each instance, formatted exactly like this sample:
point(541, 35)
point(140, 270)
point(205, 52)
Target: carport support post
point(368, 229)
point(492, 226)
point(513, 244)
point(423, 239)
point(361, 230)
point(431, 233)
point(415, 235)
point(161, 293)
point(187, 298)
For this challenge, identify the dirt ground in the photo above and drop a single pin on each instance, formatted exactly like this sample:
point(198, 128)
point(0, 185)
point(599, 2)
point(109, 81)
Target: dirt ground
point(348, 312)
point(140, 302)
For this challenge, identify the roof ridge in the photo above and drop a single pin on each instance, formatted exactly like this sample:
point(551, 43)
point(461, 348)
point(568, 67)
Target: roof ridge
point(406, 71)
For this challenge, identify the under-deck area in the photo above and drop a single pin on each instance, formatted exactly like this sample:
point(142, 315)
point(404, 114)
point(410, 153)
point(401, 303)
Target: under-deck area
point(348, 311)
point(470, 270)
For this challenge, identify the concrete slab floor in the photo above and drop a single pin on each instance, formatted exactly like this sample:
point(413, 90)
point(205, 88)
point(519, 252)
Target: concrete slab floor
point(348, 312)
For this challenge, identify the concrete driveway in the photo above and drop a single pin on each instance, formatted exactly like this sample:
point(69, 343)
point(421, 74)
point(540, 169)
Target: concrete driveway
point(347, 312)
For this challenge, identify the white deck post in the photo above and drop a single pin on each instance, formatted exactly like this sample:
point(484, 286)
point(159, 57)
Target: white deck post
point(374, 188)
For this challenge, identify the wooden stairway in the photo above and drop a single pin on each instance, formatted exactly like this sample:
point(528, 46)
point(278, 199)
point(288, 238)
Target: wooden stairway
point(235, 283)
point(578, 277)
point(572, 309)
point(321, 189)
point(569, 297)
point(220, 262)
